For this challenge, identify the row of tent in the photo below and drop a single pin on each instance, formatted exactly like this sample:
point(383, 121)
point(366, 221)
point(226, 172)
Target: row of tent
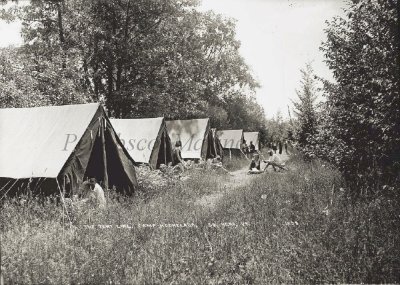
point(57, 147)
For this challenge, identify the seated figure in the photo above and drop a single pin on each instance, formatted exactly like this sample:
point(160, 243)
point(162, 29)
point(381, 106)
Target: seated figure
point(274, 161)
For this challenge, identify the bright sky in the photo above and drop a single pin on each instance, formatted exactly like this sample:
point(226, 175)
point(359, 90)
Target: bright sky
point(278, 38)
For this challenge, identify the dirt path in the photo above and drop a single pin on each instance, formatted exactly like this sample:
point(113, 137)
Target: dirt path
point(238, 179)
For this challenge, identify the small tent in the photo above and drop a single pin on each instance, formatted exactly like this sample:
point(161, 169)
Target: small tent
point(51, 149)
point(196, 138)
point(146, 140)
point(252, 137)
point(231, 141)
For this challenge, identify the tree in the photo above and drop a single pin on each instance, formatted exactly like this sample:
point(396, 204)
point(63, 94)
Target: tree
point(17, 89)
point(363, 51)
point(140, 54)
point(144, 58)
point(24, 85)
point(305, 107)
point(277, 128)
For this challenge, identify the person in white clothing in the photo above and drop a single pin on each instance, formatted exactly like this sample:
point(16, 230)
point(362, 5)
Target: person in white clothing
point(274, 161)
point(95, 193)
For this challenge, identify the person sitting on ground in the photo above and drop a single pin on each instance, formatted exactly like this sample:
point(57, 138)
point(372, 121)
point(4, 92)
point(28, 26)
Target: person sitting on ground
point(177, 160)
point(252, 148)
point(216, 164)
point(255, 165)
point(94, 193)
point(274, 161)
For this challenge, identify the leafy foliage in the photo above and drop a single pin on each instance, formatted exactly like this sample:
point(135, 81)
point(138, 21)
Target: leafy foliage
point(144, 58)
point(359, 128)
point(23, 84)
point(279, 129)
point(305, 107)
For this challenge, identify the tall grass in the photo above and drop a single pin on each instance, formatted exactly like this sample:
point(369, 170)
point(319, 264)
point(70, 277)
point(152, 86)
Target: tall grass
point(280, 228)
point(236, 163)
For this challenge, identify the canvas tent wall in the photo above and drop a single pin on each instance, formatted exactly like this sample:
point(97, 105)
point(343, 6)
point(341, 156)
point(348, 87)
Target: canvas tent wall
point(146, 140)
point(196, 138)
point(231, 141)
point(46, 149)
point(252, 137)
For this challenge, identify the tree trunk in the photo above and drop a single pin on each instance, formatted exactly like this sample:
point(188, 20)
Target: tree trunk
point(96, 76)
point(110, 85)
point(61, 33)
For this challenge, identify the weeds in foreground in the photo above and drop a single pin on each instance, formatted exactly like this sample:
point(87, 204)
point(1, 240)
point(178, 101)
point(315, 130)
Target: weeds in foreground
point(235, 163)
point(281, 228)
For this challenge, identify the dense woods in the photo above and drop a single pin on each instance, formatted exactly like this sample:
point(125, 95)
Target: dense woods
point(358, 126)
point(142, 58)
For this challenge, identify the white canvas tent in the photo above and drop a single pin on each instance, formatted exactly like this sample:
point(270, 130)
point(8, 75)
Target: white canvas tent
point(146, 140)
point(195, 135)
point(252, 137)
point(230, 139)
point(58, 146)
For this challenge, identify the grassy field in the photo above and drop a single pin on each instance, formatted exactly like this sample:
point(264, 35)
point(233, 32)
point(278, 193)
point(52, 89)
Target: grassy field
point(295, 226)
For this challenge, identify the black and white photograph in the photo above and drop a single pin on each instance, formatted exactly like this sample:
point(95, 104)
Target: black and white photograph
point(199, 142)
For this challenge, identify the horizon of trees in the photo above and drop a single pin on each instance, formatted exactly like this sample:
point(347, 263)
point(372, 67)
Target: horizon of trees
point(141, 58)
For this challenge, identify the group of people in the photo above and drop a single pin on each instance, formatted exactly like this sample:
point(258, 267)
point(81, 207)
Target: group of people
point(277, 146)
point(248, 149)
point(274, 161)
point(178, 163)
point(93, 193)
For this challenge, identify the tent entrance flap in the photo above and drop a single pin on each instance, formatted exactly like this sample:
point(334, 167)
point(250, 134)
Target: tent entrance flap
point(164, 155)
point(211, 146)
point(116, 174)
point(95, 166)
point(120, 167)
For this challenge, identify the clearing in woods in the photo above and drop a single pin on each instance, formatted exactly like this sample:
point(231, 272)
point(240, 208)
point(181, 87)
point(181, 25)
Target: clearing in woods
point(238, 179)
